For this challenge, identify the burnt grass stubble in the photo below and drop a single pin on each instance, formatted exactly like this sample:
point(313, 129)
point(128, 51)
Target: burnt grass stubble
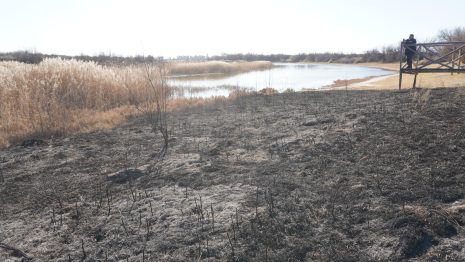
point(322, 176)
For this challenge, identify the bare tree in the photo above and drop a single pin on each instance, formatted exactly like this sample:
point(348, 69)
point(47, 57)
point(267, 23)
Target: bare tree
point(158, 95)
point(452, 35)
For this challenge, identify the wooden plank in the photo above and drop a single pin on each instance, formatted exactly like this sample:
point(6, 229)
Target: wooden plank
point(442, 43)
point(432, 70)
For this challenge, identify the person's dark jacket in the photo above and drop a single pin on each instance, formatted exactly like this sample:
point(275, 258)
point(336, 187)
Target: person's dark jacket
point(410, 46)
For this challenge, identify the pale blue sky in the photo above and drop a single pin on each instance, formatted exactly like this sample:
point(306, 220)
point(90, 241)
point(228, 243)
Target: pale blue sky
point(188, 27)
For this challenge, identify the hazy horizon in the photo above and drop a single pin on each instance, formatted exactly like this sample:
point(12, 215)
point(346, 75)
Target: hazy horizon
point(181, 28)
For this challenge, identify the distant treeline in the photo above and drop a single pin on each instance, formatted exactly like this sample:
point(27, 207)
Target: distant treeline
point(35, 58)
point(385, 55)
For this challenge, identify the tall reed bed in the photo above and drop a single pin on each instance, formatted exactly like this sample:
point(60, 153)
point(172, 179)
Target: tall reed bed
point(58, 96)
point(218, 67)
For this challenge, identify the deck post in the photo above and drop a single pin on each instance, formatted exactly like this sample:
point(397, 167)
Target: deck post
point(400, 64)
point(460, 59)
point(453, 61)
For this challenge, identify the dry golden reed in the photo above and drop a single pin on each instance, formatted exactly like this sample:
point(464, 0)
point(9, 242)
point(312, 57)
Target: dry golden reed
point(58, 96)
point(218, 67)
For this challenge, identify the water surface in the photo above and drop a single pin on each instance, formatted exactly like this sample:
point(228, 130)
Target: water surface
point(282, 76)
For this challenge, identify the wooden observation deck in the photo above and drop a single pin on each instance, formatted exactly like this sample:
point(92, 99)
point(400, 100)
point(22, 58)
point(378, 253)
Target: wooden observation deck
point(440, 57)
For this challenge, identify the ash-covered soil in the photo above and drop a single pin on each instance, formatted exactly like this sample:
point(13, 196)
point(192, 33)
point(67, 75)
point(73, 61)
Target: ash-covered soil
point(313, 176)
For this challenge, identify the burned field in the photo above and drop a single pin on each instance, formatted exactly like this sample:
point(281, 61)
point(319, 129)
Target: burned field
point(313, 176)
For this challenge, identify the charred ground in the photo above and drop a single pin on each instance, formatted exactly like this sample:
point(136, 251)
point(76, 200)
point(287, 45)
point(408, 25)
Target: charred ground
point(325, 176)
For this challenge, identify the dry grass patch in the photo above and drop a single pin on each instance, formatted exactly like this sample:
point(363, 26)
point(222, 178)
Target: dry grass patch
point(178, 103)
point(218, 67)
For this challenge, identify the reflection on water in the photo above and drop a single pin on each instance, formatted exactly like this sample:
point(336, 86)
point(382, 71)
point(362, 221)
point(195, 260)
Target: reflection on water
point(190, 92)
point(281, 77)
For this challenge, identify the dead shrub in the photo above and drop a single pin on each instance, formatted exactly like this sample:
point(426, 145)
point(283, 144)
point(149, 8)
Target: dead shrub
point(268, 91)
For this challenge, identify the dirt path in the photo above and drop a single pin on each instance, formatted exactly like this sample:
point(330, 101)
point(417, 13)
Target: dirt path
point(325, 176)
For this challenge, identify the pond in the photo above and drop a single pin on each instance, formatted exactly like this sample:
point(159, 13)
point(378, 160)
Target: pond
point(282, 76)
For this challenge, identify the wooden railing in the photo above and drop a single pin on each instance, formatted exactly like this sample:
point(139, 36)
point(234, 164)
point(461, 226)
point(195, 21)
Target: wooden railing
point(440, 57)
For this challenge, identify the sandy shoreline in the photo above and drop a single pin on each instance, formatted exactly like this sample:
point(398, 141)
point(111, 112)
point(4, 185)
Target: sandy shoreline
point(365, 81)
point(431, 80)
point(360, 83)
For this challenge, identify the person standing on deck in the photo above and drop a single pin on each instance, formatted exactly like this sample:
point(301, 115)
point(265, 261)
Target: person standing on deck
point(410, 50)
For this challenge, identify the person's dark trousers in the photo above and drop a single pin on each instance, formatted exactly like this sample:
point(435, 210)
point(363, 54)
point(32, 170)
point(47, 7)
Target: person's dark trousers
point(409, 61)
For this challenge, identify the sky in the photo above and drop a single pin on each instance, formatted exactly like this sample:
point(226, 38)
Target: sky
point(211, 27)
